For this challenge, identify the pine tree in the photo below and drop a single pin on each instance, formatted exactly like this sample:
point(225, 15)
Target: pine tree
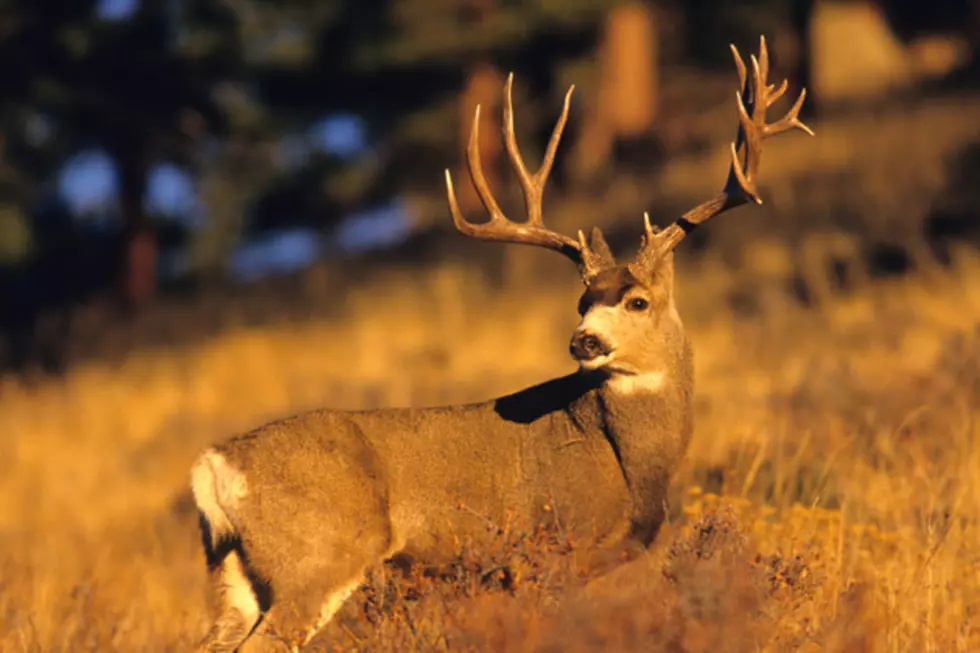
point(141, 87)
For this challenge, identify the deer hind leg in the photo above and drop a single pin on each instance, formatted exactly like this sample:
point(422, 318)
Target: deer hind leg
point(238, 606)
point(311, 577)
point(234, 593)
point(294, 621)
point(314, 561)
point(330, 606)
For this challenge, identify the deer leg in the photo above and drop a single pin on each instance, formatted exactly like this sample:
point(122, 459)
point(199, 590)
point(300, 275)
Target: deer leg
point(297, 628)
point(315, 560)
point(238, 606)
point(298, 614)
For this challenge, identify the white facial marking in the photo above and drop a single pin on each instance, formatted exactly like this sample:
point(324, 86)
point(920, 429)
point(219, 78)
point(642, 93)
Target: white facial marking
point(633, 384)
point(600, 321)
point(595, 363)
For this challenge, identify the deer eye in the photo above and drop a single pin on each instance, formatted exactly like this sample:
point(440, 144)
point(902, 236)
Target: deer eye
point(637, 304)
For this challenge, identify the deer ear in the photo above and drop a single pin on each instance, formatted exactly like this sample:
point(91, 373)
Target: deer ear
point(597, 243)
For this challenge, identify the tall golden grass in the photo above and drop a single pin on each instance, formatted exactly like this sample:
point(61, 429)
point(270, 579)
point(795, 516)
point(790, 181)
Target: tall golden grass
point(830, 499)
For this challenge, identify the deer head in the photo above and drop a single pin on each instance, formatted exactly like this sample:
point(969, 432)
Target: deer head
point(629, 321)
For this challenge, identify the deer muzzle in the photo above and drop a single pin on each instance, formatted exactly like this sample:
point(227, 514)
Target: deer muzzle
point(587, 346)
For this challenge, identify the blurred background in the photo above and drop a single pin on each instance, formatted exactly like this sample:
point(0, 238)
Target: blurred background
point(220, 212)
point(170, 169)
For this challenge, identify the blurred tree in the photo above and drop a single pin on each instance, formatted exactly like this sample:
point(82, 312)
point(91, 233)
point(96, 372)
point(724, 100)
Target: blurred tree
point(15, 235)
point(712, 23)
point(228, 176)
point(215, 84)
point(483, 88)
point(786, 25)
point(430, 49)
point(140, 85)
point(415, 71)
point(626, 98)
point(800, 68)
point(15, 229)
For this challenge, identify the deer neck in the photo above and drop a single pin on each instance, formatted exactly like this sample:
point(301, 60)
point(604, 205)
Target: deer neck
point(646, 419)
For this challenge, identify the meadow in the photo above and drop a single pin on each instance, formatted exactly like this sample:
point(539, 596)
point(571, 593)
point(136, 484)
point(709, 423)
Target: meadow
point(830, 499)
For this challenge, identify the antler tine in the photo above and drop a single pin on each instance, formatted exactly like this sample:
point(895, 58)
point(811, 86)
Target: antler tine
point(791, 120)
point(739, 65)
point(776, 93)
point(531, 232)
point(532, 184)
point(754, 96)
point(475, 163)
point(761, 67)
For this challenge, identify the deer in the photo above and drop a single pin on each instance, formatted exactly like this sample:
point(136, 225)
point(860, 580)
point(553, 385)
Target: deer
point(294, 513)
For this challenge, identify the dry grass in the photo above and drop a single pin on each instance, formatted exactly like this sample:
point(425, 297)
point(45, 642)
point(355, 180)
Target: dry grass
point(829, 500)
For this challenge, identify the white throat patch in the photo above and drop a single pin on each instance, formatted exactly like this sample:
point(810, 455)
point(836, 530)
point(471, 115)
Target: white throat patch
point(634, 384)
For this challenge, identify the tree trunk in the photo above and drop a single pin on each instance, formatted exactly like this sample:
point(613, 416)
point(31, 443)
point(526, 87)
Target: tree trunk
point(139, 264)
point(629, 69)
point(800, 77)
point(974, 32)
point(628, 90)
point(484, 87)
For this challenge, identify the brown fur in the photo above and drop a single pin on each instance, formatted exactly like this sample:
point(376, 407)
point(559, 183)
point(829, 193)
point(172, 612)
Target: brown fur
point(315, 499)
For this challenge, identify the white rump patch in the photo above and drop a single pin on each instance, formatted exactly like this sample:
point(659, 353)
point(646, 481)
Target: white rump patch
point(632, 384)
point(217, 489)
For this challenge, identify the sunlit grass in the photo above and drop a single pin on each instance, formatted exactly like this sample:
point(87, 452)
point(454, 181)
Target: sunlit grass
point(835, 448)
point(830, 499)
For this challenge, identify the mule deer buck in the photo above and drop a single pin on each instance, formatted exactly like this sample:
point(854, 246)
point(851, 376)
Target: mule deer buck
point(293, 513)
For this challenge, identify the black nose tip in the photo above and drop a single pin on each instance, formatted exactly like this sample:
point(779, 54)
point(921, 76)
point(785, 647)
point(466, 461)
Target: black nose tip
point(587, 346)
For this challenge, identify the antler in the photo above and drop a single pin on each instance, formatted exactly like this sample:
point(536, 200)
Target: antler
point(753, 99)
point(533, 231)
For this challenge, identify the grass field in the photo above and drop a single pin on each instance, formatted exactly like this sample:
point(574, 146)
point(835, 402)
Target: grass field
point(830, 500)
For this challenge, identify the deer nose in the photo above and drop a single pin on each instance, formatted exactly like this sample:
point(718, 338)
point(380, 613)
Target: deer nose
point(586, 346)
